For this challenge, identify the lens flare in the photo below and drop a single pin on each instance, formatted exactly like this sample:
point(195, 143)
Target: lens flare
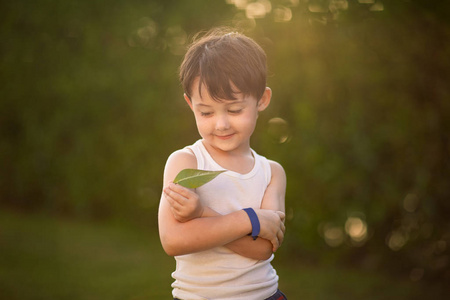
point(255, 10)
point(356, 228)
point(282, 14)
point(332, 234)
point(411, 202)
point(278, 130)
point(396, 240)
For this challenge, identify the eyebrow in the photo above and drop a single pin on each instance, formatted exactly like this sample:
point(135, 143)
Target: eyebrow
point(227, 103)
point(203, 105)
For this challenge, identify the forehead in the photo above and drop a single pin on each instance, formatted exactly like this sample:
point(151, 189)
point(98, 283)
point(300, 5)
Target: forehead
point(200, 93)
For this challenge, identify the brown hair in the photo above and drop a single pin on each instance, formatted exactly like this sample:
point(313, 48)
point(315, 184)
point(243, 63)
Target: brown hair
point(223, 60)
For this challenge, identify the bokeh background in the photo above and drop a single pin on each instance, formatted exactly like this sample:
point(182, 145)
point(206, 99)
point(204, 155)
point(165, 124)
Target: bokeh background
point(91, 107)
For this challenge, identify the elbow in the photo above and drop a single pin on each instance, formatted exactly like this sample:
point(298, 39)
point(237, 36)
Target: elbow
point(265, 255)
point(262, 252)
point(171, 247)
point(174, 242)
point(265, 251)
point(168, 247)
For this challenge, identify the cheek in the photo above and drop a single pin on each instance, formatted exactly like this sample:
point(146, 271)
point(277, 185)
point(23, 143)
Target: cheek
point(202, 123)
point(248, 122)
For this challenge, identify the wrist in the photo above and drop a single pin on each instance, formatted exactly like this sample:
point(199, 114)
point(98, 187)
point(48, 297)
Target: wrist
point(256, 227)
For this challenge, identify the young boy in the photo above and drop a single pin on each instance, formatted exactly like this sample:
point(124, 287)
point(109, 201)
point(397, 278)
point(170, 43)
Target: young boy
point(207, 229)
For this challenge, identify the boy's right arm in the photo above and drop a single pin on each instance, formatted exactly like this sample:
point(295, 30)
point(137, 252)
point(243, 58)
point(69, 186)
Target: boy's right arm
point(200, 234)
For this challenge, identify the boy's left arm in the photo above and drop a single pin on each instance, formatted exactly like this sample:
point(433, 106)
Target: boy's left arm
point(273, 199)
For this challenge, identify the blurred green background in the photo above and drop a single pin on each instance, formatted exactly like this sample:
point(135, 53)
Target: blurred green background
point(91, 107)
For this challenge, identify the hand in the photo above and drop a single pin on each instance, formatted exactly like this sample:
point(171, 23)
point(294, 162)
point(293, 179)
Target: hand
point(272, 226)
point(184, 203)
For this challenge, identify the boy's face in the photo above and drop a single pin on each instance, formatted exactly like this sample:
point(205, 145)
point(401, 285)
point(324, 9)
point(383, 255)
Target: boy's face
point(227, 125)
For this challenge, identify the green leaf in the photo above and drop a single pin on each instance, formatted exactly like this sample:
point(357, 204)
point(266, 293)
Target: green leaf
point(193, 178)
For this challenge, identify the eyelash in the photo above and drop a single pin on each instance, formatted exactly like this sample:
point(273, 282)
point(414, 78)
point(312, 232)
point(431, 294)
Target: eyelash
point(234, 112)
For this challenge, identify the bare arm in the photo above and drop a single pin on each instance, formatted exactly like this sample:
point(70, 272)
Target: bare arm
point(186, 206)
point(274, 200)
point(205, 233)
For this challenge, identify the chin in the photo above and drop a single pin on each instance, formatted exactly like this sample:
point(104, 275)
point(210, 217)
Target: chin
point(223, 145)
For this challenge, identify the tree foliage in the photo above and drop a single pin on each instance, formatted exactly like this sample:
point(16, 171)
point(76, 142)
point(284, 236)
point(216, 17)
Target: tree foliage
point(360, 118)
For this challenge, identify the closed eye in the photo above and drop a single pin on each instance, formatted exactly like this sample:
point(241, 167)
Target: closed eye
point(205, 114)
point(235, 112)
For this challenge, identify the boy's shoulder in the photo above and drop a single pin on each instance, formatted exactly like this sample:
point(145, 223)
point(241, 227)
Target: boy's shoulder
point(276, 168)
point(182, 157)
point(275, 164)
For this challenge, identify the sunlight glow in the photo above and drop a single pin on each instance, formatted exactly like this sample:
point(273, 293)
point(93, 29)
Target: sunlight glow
point(176, 39)
point(267, 5)
point(396, 240)
point(317, 8)
point(293, 2)
point(261, 8)
point(332, 234)
point(145, 34)
point(255, 10)
point(282, 14)
point(240, 4)
point(336, 5)
point(377, 7)
point(258, 9)
point(411, 202)
point(278, 129)
point(356, 228)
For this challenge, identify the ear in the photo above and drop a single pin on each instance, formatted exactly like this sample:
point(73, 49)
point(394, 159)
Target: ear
point(265, 99)
point(188, 100)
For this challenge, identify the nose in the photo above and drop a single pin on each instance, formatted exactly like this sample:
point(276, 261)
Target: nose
point(222, 122)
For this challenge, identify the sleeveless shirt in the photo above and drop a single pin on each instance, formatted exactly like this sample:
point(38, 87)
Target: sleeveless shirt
point(220, 273)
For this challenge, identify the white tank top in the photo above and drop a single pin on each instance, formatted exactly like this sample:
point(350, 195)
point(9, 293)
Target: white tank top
point(219, 273)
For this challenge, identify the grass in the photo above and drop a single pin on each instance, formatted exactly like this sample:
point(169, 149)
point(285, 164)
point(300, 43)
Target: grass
point(44, 258)
point(49, 258)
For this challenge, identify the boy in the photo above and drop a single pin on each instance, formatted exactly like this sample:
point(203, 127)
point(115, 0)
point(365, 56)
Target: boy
point(207, 229)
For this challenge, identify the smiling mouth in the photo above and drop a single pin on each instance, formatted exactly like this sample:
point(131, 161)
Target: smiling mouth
point(224, 137)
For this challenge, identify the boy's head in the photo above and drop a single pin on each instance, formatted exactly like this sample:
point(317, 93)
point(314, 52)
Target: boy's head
point(225, 61)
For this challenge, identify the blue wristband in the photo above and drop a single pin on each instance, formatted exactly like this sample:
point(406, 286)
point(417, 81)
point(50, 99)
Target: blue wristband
point(254, 220)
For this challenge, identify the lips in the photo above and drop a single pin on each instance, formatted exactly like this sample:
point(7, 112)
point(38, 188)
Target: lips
point(225, 137)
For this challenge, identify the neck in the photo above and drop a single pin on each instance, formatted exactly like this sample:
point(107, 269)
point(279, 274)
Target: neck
point(239, 160)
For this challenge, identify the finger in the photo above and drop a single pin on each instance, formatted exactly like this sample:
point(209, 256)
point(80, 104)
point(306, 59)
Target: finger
point(176, 197)
point(283, 228)
point(174, 212)
point(282, 215)
point(280, 237)
point(169, 199)
point(176, 215)
point(275, 244)
point(180, 190)
point(174, 205)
